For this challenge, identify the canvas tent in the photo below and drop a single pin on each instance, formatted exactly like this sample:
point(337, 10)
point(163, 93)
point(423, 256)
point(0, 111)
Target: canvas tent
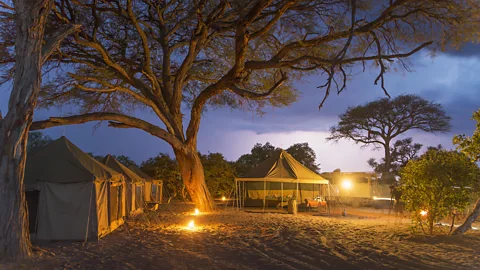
point(71, 196)
point(134, 186)
point(277, 179)
point(153, 187)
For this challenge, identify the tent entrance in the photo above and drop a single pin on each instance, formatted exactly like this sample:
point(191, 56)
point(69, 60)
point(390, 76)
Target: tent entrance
point(32, 204)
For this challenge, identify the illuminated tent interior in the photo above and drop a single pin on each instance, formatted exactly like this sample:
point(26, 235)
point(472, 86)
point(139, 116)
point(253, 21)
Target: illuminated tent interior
point(276, 180)
point(153, 187)
point(70, 195)
point(134, 186)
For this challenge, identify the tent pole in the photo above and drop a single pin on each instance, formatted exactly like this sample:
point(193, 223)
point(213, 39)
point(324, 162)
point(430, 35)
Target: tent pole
point(281, 201)
point(297, 194)
point(264, 194)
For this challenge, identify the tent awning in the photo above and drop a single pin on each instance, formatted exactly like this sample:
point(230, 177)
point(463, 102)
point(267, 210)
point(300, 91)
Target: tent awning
point(284, 180)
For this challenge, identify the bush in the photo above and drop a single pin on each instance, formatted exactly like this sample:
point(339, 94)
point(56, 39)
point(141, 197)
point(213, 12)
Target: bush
point(439, 182)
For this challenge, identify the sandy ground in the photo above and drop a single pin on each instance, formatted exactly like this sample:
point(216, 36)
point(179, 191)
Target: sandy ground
point(239, 240)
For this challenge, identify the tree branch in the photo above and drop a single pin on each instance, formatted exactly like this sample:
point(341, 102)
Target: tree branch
point(255, 96)
point(115, 120)
point(57, 37)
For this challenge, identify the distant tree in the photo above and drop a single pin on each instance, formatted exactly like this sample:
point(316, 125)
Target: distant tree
point(96, 157)
point(402, 151)
point(300, 151)
point(37, 140)
point(165, 168)
point(125, 160)
point(470, 146)
point(378, 122)
point(219, 174)
point(305, 155)
point(259, 153)
point(177, 57)
point(438, 182)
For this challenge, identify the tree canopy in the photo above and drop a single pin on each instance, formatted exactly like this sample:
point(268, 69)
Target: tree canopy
point(260, 152)
point(378, 122)
point(438, 182)
point(470, 146)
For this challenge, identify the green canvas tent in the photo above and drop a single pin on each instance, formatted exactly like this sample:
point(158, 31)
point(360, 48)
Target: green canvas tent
point(153, 187)
point(70, 195)
point(277, 179)
point(134, 186)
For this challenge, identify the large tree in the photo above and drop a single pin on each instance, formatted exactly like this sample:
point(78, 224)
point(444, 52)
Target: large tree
point(22, 42)
point(176, 57)
point(379, 122)
point(470, 146)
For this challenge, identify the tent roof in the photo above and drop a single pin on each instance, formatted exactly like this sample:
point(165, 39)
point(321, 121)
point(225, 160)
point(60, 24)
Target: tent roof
point(282, 167)
point(114, 164)
point(140, 173)
point(63, 162)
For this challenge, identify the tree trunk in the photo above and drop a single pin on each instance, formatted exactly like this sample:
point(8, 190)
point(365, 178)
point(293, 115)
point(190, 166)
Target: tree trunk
point(386, 175)
point(191, 169)
point(467, 225)
point(30, 19)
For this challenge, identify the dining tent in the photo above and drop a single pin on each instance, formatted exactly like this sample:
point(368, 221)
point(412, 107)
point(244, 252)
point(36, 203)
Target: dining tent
point(276, 180)
point(153, 187)
point(134, 186)
point(71, 195)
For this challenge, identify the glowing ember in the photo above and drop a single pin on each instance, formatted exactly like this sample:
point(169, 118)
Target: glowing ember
point(223, 198)
point(423, 213)
point(191, 224)
point(196, 212)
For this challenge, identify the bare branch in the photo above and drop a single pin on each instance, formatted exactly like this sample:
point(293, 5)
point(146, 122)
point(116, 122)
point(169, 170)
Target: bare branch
point(57, 37)
point(255, 96)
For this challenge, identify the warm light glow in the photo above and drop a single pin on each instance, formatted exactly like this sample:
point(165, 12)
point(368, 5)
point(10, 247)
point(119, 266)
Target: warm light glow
point(423, 212)
point(223, 198)
point(347, 184)
point(196, 212)
point(191, 224)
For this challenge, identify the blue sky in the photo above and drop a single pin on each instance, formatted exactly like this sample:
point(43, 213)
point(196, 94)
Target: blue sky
point(450, 79)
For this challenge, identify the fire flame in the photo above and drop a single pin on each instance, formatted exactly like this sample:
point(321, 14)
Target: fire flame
point(423, 212)
point(223, 198)
point(196, 212)
point(191, 224)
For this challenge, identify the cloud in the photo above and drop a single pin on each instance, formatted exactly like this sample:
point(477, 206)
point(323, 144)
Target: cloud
point(467, 50)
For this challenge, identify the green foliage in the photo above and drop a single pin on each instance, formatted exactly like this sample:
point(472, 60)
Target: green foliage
point(300, 151)
point(219, 174)
point(37, 140)
point(470, 146)
point(438, 182)
point(96, 157)
point(165, 168)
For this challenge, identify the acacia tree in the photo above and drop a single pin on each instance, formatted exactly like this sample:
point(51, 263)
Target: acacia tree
point(401, 152)
point(378, 122)
point(22, 27)
point(470, 146)
point(176, 57)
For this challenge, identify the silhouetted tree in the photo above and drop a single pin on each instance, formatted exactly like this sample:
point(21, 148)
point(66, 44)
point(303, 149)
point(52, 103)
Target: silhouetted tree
point(37, 140)
point(378, 122)
point(305, 155)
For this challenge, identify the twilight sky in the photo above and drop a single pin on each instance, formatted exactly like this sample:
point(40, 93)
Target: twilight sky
point(450, 79)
